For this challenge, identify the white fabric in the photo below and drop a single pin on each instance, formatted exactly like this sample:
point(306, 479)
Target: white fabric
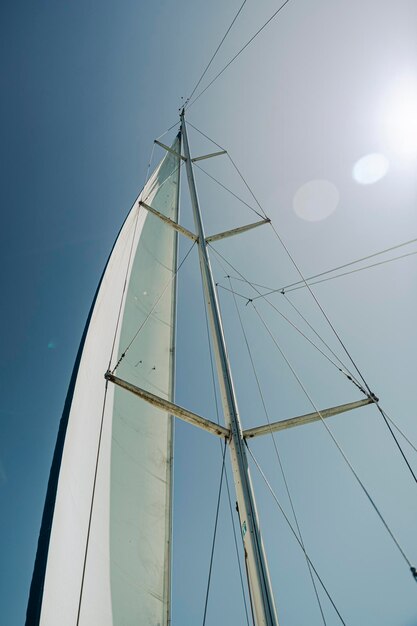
point(126, 560)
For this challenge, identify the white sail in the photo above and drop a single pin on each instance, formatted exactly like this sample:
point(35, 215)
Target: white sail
point(108, 559)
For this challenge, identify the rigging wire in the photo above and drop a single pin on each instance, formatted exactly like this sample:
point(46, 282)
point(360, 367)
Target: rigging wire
point(149, 164)
point(400, 431)
point(300, 284)
point(214, 534)
point(266, 412)
point(206, 136)
point(238, 53)
point(237, 549)
point(303, 280)
point(124, 285)
point(168, 129)
point(345, 373)
point(341, 342)
point(268, 484)
point(344, 370)
point(122, 356)
point(130, 258)
point(226, 476)
point(90, 516)
point(367, 267)
point(228, 190)
point(335, 441)
point(215, 53)
point(252, 512)
point(368, 391)
point(174, 171)
point(105, 395)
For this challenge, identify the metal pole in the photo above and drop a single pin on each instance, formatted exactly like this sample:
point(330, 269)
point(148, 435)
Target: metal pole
point(257, 568)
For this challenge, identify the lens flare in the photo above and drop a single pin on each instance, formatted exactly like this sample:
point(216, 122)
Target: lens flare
point(315, 200)
point(370, 168)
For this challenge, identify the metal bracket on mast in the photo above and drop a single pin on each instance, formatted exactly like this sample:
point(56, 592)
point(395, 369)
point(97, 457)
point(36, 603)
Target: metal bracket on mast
point(236, 231)
point(170, 407)
point(208, 156)
point(167, 220)
point(304, 419)
point(168, 149)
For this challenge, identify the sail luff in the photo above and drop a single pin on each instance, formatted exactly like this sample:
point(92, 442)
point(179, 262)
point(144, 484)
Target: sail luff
point(171, 426)
point(34, 606)
point(117, 573)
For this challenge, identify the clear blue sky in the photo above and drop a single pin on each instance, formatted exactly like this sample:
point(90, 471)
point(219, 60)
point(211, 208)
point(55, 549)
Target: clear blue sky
point(86, 87)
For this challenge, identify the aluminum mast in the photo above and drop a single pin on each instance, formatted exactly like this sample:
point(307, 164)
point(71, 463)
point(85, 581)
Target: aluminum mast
point(257, 567)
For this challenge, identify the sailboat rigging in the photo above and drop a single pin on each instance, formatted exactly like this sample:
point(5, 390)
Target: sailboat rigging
point(139, 244)
point(105, 552)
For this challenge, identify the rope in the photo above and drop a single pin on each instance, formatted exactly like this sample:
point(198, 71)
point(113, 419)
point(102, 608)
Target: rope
point(349, 464)
point(294, 533)
point(239, 53)
point(215, 53)
point(214, 534)
point(278, 455)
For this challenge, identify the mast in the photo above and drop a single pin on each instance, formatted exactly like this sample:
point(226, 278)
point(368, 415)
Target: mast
point(256, 564)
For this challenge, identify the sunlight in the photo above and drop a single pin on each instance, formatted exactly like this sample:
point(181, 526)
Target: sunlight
point(399, 117)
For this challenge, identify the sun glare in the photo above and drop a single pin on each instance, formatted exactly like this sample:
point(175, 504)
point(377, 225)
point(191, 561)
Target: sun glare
point(370, 168)
point(399, 117)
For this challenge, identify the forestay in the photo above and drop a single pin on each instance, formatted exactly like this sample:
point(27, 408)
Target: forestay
point(114, 567)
